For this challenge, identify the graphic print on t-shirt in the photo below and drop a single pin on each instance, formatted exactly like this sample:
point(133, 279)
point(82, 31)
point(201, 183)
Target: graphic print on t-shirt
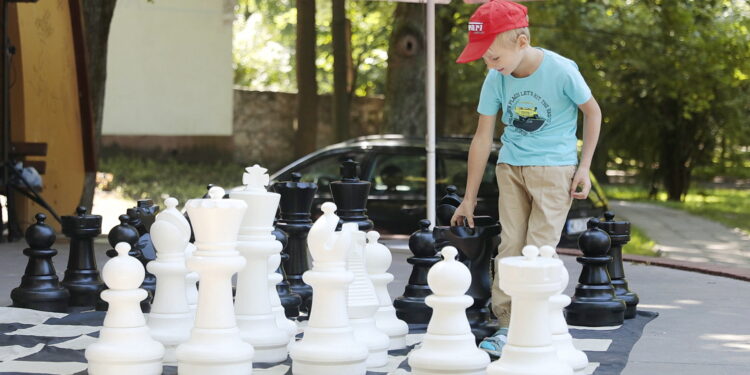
point(529, 112)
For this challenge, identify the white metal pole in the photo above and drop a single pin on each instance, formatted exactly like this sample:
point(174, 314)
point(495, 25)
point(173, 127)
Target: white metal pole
point(431, 111)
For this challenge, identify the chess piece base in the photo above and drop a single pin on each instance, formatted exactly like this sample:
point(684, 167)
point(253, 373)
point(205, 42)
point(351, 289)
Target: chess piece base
point(630, 298)
point(461, 356)
point(84, 287)
point(267, 338)
point(518, 360)
point(328, 351)
point(52, 299)
point(386, 321)
point(216, 352)
point(115, 354)
point(575, 358)
point(170, 330)
point(595, 313)
point(377, 342)
point(413, 310)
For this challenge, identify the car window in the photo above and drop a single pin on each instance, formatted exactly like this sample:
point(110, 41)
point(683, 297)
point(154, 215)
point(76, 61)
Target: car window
point(398, 174)
point(327, 169)
point(454, 173)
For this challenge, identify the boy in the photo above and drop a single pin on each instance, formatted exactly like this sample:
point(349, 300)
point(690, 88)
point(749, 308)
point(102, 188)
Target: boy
point(538, 94)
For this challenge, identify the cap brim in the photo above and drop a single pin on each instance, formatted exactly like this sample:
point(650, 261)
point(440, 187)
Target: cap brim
point(475, 50)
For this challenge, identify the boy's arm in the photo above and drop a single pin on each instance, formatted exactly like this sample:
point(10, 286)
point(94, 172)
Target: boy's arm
point(479, 152)
point(592, 121)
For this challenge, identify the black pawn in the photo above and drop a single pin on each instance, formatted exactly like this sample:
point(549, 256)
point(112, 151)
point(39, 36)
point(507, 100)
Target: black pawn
point(82, 277)
point(290, 301)
point(594, 302)
point(619, 233)
point(40, 288)
point(124, 232)
point(411, 306)
point(350, 195)
point(294, 208)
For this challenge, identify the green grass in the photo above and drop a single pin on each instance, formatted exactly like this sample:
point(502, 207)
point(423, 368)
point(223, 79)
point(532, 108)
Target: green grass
point(730, 207)
point(640, 243)
point(160, 177)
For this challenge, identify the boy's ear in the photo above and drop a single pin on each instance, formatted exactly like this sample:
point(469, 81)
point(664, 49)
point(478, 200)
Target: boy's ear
point(523, 41)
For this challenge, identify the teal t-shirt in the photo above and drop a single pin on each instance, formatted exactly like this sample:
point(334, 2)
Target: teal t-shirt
point(540, 112)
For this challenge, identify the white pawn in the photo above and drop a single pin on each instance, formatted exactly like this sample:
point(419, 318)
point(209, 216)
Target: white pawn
point(328, 346)
point(278, 310)
point(449, 346)
point(256, 243)
point(125, 346)
point(530, 280)
point(378, 259)
point(215, 346)
point(362, 303)
point(170, 319)
point(561, 338)
point(176, 218)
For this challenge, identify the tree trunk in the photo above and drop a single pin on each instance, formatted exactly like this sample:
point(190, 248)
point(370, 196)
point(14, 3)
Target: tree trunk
point(341, 58)
point(444, 61)
point(307, 85)
point(405, 108)
point(97, 17)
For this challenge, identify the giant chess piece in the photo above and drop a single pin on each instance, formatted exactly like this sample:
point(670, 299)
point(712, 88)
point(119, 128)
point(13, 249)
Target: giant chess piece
point(411, 307)
point(82, 276)
point(594, 302)
point(296, 202)
point(350, 195)
point(362, 303)
point(124, 346)
point(289, 300)
point(215, 345)
point(173, 216)
point(170, 319)
point(40, 288)
point(561, 338)
point(378, 260)
point(328, 346)
point(530, 280)
point(143, 250)
point(256, 243)
point(619, 234)
point(477, 247)
point(449, 346)
point(124, 232)
point(274, 278)
point(148, 211)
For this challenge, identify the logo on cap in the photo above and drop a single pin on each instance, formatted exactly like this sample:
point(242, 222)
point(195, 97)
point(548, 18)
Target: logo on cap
point(476, 27)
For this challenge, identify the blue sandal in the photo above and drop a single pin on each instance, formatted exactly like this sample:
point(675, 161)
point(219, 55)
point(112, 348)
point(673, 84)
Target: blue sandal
point(493, 345)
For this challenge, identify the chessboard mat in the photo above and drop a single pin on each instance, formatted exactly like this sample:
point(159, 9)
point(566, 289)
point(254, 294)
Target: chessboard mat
point(35, 342)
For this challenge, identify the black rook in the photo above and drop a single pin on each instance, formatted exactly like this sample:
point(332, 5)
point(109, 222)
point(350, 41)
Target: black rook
point(82, 277)
point(350, 195)
point(619, 233)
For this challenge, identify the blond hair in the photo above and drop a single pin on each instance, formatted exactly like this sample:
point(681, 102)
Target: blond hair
point(510, 37)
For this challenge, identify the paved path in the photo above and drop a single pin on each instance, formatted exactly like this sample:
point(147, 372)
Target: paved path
point(686, 237)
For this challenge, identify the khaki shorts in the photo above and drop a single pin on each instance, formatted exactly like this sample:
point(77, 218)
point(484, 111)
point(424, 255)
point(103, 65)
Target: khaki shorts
point(534, 202)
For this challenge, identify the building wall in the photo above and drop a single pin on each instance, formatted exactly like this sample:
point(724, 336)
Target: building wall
point(169, 69)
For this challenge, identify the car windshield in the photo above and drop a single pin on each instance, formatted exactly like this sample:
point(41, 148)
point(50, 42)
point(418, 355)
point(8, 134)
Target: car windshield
point(326, 169)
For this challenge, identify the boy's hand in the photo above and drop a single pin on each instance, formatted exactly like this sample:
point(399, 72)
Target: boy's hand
point(465, 211)
point(582, 180)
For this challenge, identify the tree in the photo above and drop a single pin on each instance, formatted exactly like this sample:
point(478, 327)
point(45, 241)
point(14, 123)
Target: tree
point(307, 84)
point(341, 32)
point(97, 17)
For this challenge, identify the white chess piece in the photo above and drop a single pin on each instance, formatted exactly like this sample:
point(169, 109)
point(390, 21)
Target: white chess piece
point(278, 310)
point(378, 259)
point(256, 243)
point(530, 280)
point(561, 338)
point(449, 346)
point(125, 346)
point(328, 346)
point(172, 215)
point(362, 302)
point(215, 346)
point(170, 319)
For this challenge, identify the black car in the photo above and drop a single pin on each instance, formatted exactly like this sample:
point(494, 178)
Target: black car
point(396, 166)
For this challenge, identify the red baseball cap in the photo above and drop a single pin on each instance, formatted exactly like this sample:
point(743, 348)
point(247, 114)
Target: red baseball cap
point(488, 20)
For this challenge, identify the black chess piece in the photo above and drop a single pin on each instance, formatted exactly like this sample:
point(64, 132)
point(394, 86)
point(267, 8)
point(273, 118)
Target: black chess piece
point(290, 301)
point(294, 208)
point(619, 233)
point(146, 252)
point(82, 276)
point(594, 302)
point(148, 211)
point(411, 307)
point(476, 246)
point(40, 288)
point(124, 232)
point(350, 195)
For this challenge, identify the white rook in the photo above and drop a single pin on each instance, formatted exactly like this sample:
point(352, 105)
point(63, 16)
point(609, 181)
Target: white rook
point(215, 346)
